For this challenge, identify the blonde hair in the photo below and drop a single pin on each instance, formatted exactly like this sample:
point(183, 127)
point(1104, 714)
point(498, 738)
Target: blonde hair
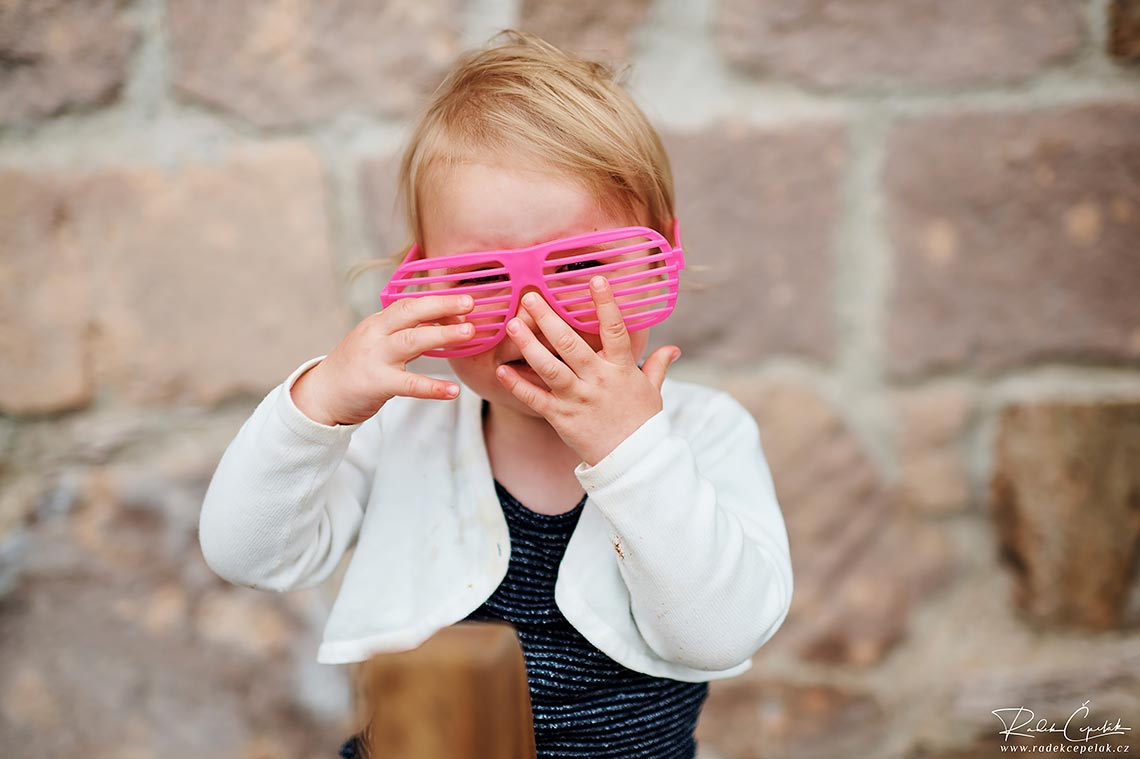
point(526, 100)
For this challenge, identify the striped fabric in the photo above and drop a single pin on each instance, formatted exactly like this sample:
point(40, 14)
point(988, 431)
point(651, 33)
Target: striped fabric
point(585, 704)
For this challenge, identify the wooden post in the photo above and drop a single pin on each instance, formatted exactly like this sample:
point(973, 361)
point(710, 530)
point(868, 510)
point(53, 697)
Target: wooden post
point(463, 694)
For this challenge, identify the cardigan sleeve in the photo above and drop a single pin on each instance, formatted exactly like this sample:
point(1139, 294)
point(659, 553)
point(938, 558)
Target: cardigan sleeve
point(287, 498)
point(700, 539)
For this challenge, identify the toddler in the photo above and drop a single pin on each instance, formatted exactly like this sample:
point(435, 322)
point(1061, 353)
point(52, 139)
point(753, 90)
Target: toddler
point(624, 523)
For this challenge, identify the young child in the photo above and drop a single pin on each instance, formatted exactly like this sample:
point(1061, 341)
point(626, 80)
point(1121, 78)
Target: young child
point(624, 523)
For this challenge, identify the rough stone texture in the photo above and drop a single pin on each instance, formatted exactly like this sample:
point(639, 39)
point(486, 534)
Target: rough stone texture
point(56, 55)
point(120, 642)
point(744, 719)
point(17, 501)
point(599, 29)
point(1081, 696)
point(1065, 499)
point(1015, 238)
point(877, 43)
point(237, 249)
point(932, 421)
point(1124, 30)
point(45, 301)
point(1112, 684)
point(860, 563)
point(278, 62)
point(970, 653)
point(759, 211)
point(170, 262)
point(45, 466)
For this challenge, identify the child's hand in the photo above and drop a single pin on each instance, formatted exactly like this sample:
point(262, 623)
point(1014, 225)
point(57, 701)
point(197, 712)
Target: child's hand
point(367, 368)
point(596, 400)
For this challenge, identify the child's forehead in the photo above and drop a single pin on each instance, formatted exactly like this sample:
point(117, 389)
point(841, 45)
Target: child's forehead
point(475, 180)
point(473, 207)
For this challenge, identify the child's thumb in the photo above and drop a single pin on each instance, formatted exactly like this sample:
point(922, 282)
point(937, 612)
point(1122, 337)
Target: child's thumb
point(658, 362)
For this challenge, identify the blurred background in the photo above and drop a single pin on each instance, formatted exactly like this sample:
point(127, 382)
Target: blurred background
point(914, 235)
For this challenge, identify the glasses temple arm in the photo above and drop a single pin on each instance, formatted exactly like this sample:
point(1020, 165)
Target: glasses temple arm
point(677, 242)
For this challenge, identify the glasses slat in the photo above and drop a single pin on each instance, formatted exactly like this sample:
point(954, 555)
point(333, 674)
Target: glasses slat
point(598, 269)
point(670, 297)
point(604, 253)
point(655, 272)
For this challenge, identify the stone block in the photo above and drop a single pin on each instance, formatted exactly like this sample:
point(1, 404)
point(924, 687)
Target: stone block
point(861, 563)
point(1065, 502)
point(286, 62)
point(211, 280)
point(888, 43)
point(45, 307)
point(759, 211)
point(195, 283)
point(1124, 30)
point(1015, 237)
point(57, 55)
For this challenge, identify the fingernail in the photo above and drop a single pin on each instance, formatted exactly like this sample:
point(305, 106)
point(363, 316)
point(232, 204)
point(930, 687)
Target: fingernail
point(513, 326)
point(466, 301)
point(452, 391)
point(598, 283)
point(530, 299)
point(676, 355)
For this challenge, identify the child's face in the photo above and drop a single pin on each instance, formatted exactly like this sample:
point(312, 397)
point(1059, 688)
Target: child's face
point(474, 207)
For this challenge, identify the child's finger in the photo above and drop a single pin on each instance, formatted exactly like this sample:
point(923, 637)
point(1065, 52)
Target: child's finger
point(571, 348)
point(409, 343)
point(451, 319)
point(658, 362)
point(429, 388)
point(557, 375)
point(527, 392)
point(611, 325)
point(409, 312)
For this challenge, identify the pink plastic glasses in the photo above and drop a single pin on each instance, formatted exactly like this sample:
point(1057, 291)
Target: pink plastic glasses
point(640, 264)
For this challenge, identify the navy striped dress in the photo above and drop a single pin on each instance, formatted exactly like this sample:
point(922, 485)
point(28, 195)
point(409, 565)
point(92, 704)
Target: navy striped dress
point(585, 704)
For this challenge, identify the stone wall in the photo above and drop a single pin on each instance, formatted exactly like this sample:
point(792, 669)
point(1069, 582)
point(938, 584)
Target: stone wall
point(914, 236)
